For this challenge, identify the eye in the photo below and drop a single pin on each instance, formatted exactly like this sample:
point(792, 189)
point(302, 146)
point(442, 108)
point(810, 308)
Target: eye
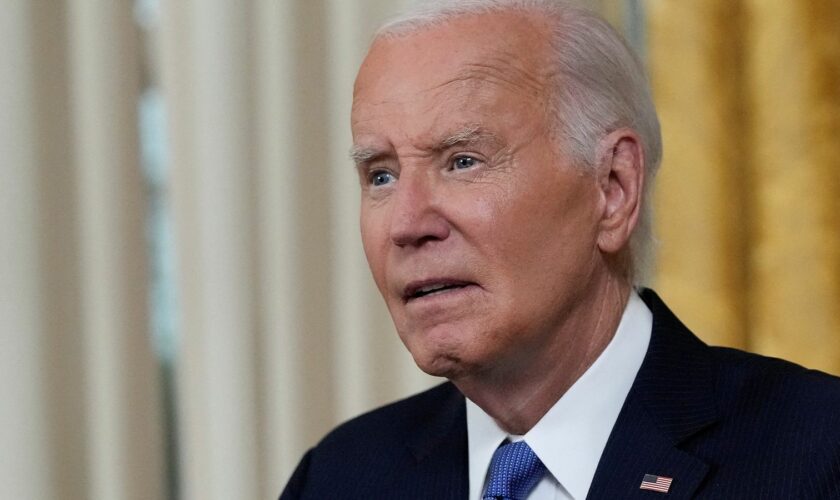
point(463, 162)
point(381, 178)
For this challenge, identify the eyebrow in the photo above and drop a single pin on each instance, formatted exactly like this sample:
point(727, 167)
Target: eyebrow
point(470, 133)
point(467, 134)
point(361, 154)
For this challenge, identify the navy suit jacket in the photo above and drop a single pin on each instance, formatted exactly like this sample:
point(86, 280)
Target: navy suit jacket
point(721, 422)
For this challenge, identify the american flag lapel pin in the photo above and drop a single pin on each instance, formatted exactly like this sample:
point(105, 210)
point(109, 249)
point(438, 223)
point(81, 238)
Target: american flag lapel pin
point(656, 483)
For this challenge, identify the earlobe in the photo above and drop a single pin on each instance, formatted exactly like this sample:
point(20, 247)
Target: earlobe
point(621, 171)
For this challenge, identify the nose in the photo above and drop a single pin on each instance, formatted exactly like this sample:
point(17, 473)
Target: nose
point(417, 217)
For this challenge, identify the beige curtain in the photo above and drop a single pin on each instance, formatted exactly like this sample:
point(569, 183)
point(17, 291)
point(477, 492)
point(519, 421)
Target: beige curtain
point(80, 415)
point(747, 208)
point(281, 334)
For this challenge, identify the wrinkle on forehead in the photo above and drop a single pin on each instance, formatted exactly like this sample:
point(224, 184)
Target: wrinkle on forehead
point(473, 75)
point(518, 72)
point(505, 70)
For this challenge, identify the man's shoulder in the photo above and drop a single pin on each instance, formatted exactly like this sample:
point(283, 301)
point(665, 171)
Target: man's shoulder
point(738, 405)
point(777, 430)
point(369, 456)
point(775, 389)
point(394, 421)
point(742, 382)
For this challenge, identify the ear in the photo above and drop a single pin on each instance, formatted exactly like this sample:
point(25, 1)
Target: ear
point(621, 177)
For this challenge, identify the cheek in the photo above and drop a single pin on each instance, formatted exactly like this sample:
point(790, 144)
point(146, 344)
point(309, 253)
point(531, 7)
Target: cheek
point(374, 242)
point(545, 234)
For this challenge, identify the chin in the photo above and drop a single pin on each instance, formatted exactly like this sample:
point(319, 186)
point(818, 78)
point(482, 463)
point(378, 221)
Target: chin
point(444, 350)
point(440, 362)
point(439, 366)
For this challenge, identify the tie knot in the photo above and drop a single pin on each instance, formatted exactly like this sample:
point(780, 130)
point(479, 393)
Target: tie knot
point(514, 471)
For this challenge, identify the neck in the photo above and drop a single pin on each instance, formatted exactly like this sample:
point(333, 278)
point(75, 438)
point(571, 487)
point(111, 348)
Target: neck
point(518, 394)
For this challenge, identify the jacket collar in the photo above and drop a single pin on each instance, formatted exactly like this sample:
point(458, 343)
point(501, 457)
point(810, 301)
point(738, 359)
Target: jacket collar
point(438, 450)
point(444, 422)
point(677, 379)
point(672, 400)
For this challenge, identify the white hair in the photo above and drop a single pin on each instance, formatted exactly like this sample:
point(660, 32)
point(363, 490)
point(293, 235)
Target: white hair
point(600, 86)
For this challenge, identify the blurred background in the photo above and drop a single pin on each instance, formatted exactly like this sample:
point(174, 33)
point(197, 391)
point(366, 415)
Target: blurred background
point(184, 304)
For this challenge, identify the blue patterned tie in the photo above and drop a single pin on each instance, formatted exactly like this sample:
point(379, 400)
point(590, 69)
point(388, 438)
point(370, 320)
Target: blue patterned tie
point(514, 471)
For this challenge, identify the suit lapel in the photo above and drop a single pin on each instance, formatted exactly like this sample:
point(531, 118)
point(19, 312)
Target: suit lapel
point(638, 447)
point(671, 401)
point(439, 453)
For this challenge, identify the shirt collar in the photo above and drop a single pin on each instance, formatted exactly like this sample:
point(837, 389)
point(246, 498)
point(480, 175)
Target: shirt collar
point(571, 436)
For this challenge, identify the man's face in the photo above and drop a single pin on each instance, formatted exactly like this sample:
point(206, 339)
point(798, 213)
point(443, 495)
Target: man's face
point(480, 234)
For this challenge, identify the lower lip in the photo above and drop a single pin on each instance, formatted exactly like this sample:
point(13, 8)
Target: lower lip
point(443, 298)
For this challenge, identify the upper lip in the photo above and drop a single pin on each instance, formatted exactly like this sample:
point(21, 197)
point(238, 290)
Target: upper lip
point(414, 287)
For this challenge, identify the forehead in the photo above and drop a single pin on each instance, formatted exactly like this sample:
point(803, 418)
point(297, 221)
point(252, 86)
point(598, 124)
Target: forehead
point(463, 59)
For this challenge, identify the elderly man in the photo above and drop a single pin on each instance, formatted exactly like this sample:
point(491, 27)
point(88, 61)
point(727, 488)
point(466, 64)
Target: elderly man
point(505, 150)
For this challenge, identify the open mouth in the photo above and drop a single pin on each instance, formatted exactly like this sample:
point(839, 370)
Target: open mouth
point(417, 291)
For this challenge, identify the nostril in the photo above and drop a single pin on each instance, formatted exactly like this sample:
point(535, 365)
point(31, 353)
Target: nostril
point(421, 231)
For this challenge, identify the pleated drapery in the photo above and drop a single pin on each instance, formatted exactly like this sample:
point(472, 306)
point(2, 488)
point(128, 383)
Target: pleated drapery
point(282, 332)
point(80, 416)
point(747, 202)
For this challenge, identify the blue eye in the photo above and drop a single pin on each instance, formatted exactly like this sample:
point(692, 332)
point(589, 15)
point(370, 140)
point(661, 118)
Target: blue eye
point(381, 178)
point(463, 162)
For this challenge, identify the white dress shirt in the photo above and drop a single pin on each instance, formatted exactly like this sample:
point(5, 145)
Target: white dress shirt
point(570, 438)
